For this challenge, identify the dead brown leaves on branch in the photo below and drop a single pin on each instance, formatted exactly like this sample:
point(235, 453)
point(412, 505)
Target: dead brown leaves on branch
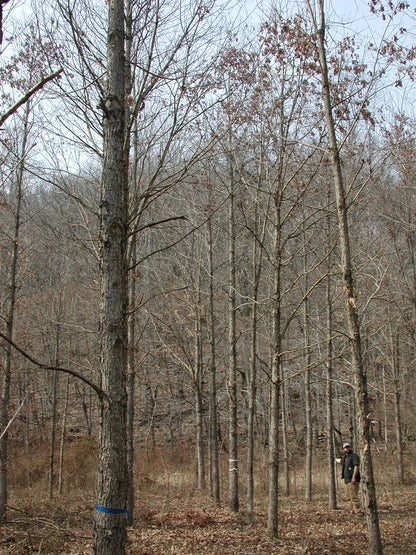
point(291, 43)
point(395, 51)
point(386, 9)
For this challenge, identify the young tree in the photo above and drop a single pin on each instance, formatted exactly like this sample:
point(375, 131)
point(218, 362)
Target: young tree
point(10, 315)
point(332, 500)
point(360, 380)
point(20, 76)
point(213, 415)
point(233, 502)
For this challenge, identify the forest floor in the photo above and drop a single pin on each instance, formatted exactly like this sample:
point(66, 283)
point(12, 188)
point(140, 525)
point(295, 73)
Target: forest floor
point(195, 525)
point(171, 517)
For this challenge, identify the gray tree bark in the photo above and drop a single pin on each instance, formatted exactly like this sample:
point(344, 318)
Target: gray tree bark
point(252, 382)
point(232, 370)
point(55, 383)
point(351, 312)
point(397, 412)
point(131, 375)
point(332, 499)
point(213, 421)
point(132, 260)
point(110, 517)
point(285, 442)
point(275, 382)
point(198, 391)
point(62, 439)
point(307, 382)
point(252, 397)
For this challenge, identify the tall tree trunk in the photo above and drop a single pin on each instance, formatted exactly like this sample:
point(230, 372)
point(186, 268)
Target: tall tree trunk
point(198, 393)
point(213, 431)
point(272, 521)
point(110, 516)
point(386, 434)
point(308, 415)
point(5, 386)
point(132, 258)
point(397, 414)
point(276, 340)
point(199, 432)
point(252, 407)
point(359, 375)
point(131, 374)
point(252, 381)
point(62, 442)
point(285, 443)
point(232, 370)
point(332, 499)
point(307, 382)
point(55, 382)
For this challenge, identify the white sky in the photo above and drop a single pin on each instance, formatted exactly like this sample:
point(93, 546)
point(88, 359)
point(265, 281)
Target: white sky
point(352, 17)
point(355, 14)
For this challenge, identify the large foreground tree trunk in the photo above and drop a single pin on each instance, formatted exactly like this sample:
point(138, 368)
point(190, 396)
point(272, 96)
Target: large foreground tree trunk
point(359, 375)
point(110, 516)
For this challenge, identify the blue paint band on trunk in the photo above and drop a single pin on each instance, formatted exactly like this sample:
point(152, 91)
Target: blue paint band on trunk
point(109, 511)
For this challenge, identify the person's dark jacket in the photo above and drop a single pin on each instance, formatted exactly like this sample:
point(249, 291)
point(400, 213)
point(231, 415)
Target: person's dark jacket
point(348, 463)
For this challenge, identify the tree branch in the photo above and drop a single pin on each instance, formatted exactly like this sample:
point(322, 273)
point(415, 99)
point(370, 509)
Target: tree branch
point(156, 224)
point(28, 95)
point(2, 3)
point(43, 366)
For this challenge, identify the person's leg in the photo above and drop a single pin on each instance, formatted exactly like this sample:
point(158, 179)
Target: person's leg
point(348, 496)
point(354, 500)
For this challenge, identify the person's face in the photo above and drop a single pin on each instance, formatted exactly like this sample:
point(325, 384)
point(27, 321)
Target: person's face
point(347, 449)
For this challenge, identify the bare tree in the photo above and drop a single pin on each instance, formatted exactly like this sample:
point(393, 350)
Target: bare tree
point(360, 380)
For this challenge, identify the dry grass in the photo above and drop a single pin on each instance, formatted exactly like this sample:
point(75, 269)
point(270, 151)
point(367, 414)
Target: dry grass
point(171, 516)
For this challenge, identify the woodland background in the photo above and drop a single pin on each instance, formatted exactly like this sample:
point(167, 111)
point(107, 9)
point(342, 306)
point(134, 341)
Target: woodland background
point(231, 227)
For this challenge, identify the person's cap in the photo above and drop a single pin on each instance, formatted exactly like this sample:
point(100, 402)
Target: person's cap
point(346, 445)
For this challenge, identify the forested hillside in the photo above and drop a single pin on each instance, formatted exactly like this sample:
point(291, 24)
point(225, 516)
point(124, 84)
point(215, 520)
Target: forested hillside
point(208, 274)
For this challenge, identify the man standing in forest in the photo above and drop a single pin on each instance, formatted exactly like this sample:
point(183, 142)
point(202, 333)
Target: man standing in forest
point(351, 475)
